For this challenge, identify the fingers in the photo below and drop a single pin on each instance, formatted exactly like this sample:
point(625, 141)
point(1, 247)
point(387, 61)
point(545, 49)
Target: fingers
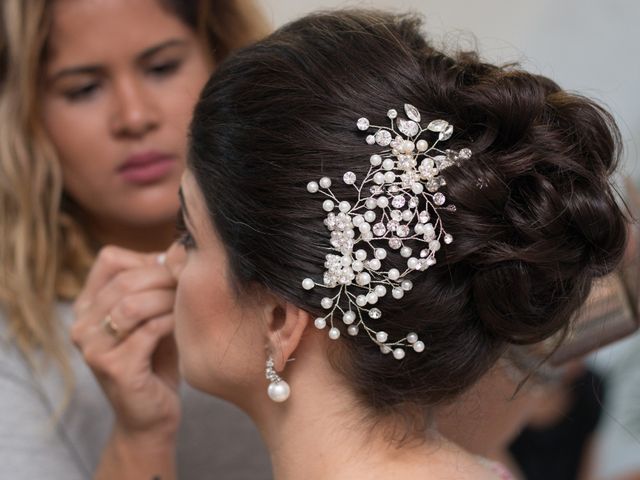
point(129, 298)
point(175, 258)
point(129, 282)
point(110, 261)
point(126, 374)
point(128, 314)
point(143, 341)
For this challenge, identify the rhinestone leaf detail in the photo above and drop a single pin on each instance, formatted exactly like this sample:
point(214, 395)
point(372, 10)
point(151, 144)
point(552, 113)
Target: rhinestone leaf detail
point(437, 126)
point(394, 208)
point(408, 127)
point(412, 112)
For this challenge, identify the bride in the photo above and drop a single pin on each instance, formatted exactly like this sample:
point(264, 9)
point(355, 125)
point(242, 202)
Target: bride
point(368, 223)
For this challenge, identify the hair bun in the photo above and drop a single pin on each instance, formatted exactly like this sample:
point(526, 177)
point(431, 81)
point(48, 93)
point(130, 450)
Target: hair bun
point(536, 211)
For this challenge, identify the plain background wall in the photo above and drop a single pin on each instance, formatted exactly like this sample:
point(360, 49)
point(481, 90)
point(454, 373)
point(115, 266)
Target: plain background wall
point(585, 45)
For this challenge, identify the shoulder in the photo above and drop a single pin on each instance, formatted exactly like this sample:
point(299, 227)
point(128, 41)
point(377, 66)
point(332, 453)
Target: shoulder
point(13, 361)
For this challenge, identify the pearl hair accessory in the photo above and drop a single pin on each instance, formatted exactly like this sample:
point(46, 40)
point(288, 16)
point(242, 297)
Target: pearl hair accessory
point(396, 208)
point(278, 389)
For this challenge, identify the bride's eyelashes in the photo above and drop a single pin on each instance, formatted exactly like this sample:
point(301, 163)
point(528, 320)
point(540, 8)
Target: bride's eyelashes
point(184, 235)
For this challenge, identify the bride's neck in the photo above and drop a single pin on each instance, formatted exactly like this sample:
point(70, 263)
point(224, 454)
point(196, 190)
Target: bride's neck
point(321, 432)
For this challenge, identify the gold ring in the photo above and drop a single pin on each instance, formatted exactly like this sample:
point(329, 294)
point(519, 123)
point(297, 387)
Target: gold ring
point(111, 327)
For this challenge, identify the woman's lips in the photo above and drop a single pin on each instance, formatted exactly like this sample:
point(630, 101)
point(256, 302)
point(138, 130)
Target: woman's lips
point(147, 167)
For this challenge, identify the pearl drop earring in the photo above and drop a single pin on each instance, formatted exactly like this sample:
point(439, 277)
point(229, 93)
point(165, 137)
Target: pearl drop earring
point(278, 389)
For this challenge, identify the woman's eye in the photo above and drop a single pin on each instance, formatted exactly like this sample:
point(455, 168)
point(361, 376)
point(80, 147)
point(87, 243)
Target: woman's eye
point(83, 92)
point(186, 240)
point(184, 236)
point(164, 69)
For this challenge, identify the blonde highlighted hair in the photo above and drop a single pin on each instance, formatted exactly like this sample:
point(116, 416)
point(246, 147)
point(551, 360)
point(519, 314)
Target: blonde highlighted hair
point(45, 253)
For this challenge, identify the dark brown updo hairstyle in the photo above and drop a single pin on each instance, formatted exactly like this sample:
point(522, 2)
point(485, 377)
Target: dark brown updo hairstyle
point(536, 219)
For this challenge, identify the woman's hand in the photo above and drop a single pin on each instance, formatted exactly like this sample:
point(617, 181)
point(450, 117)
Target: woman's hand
point(123, 328)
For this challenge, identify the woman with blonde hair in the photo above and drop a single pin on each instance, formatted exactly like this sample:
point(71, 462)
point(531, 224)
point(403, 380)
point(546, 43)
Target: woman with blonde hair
point(95, 98)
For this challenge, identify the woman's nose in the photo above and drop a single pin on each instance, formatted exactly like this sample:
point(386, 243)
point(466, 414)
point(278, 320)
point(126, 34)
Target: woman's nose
point(135, 111)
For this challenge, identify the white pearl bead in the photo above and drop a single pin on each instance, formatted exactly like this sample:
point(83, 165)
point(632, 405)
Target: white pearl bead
point(393, 274)
point(408, 146)
point(327, 205)
point(434, 245)
point(389, 177)
point(370, 203)
point(334, 333)
point(363, 279)
point(357, 266)
point(344, 206)
point(418, 346)
point(364, 228)
point(372, 298)
point(412, 263)
point(312, 187)
point(375, 160)
point(407, 215)
point(358, 220)
point(380, 253)
point(374, 264)
point(419, 228)
point(448, 239)
point(383, 202)
point(352, 330)
point(412, 337)
point(349, 317)
point(279, 391)
point(397, 293)
point(398, 354)
point(380, 290)
point(385, 349)
point(378, 178)
point(388, 164)
point(422, 145)
point(326, 303)
point(361, 254)
point(325, 182)
point(308, 284)
point(405, 252)
point(346, 261)
point(320, 323)
point(370, 216)
point(406, 285)
point(417, 188)
point(381, 336)
point(361, 300)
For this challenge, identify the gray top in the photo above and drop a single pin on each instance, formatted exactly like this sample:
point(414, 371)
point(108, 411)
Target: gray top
point(216, 440)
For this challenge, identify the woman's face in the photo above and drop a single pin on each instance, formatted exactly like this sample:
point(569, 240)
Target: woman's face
point(222, 347)
point(119, 85)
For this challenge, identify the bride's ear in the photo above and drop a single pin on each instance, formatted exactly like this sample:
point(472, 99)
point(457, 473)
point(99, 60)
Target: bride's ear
point(286, 324)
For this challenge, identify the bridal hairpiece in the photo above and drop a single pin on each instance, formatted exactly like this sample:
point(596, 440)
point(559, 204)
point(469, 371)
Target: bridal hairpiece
point(396, 211)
